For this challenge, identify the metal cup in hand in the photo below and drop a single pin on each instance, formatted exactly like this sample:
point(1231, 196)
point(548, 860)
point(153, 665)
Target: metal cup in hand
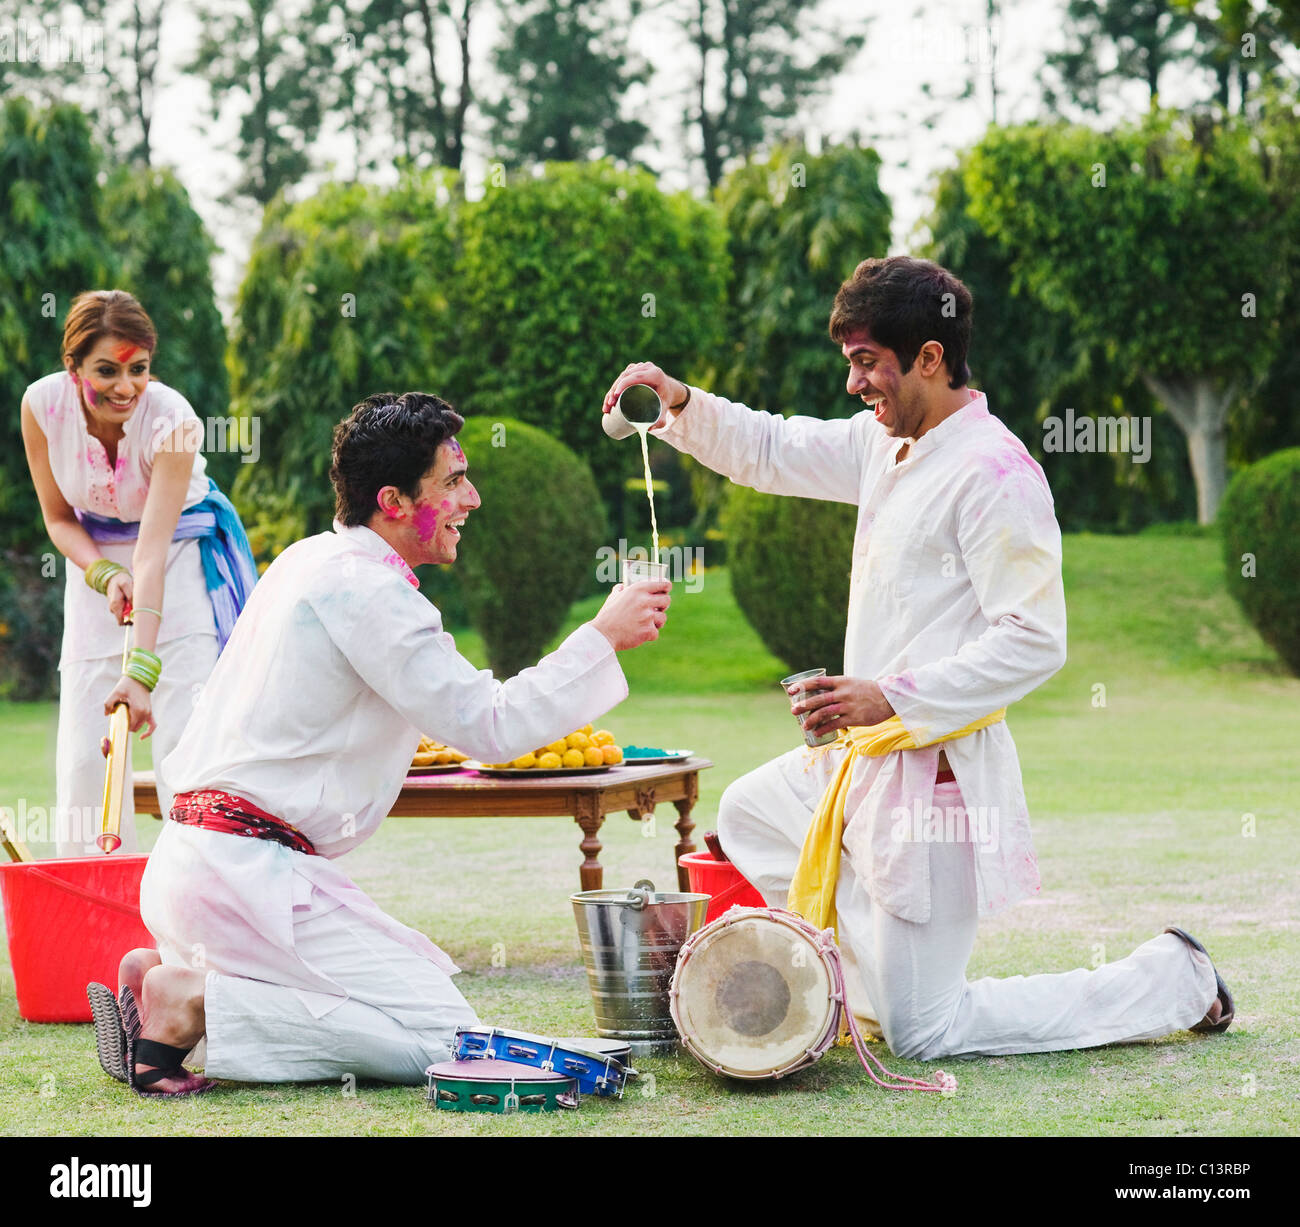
point(635, 571)
point(810, 739)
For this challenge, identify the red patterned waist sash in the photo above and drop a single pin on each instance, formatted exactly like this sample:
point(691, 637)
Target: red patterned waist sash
point(232, 815)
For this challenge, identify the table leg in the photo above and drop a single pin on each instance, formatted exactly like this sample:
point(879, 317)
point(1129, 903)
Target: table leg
point(589, 817)
point(684, 828)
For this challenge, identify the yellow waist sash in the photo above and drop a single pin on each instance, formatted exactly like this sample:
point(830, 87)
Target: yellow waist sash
point(812, 893)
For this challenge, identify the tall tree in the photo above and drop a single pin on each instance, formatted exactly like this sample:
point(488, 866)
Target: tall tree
point(1115, 40)
point(397, 52)
point(447, 111)
point(143, 33)
point(1240, 42)
point(272, 62)
point(567, 65)
point(758, 63)
point(1033, 364)
point(100, 54)
point(1172, 242)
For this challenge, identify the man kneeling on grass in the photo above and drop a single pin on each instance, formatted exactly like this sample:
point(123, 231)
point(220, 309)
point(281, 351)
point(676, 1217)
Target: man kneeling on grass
point(295, 753)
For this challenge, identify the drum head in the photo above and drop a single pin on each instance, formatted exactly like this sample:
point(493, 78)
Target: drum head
point(754, 996)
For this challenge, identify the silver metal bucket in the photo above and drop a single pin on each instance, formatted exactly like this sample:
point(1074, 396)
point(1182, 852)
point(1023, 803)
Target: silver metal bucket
point(630, 941)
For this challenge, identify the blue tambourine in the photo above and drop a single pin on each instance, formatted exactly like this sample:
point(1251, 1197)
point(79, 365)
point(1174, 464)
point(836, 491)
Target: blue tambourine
point(600, 1066)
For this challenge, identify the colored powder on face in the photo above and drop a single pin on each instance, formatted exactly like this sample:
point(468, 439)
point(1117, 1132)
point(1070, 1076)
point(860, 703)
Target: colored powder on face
point(92, 397)
point(457, 454)
point(124, 352)
point(426, 521)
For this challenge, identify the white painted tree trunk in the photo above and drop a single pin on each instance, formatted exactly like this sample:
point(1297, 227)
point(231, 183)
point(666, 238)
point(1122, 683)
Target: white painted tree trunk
point(1200, 407)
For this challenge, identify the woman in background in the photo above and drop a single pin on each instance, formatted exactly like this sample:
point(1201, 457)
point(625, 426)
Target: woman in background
point(114, 455)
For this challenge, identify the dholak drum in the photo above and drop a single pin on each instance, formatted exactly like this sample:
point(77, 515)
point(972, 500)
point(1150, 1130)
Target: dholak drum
point(757, 993)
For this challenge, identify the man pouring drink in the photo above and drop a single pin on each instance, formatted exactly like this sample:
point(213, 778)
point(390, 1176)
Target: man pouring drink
point(956, 611)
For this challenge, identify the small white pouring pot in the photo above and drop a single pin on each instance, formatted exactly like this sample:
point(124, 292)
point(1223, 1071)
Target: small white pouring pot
point(638, 405)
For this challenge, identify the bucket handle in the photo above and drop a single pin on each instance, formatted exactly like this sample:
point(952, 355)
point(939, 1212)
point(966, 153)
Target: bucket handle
point(640, 894)
point(103, 901)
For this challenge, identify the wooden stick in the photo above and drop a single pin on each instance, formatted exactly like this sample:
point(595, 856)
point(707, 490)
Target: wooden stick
point(14, 847)
point(109, 838)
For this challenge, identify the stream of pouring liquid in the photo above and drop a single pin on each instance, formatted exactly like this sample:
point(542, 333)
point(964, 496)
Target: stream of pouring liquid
point(641, 428)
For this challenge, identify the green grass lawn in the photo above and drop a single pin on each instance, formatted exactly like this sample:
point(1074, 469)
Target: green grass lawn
point(1144, 759)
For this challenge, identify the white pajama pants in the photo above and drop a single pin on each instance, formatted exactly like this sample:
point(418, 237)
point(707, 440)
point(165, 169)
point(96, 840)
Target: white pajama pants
point(908, 982)
point(79, 763)
point(300, 987)
point(400, 1017)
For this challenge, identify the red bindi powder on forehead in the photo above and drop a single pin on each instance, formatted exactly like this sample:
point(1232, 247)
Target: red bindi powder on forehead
point(124, 352)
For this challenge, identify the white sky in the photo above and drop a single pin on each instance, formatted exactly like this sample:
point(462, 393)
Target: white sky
point(882, 97)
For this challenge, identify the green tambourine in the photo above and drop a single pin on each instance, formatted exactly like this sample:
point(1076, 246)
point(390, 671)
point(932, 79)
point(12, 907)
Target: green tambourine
point(498, 1086)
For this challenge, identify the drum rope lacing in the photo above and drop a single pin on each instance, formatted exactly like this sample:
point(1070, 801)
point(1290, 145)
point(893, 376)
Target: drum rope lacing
point(943, 1082)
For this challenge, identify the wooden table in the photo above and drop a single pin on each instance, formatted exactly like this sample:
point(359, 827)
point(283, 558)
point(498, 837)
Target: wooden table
point(586, 798)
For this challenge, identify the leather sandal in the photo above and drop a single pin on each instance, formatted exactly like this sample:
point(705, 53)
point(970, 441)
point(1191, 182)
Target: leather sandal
point(110, 1032)
point(1228, 1007)
point(165, 1058)
point(166, 1061)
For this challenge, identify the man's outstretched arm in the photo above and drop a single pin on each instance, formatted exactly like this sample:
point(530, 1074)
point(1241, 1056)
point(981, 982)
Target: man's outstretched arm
point(800, 456)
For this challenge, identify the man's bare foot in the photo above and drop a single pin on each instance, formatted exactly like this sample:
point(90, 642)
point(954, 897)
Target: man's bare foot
point(171, 1013)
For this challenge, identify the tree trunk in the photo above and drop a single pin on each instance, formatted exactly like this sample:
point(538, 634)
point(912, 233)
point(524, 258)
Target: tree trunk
point(1200, 407)
point(708, 137)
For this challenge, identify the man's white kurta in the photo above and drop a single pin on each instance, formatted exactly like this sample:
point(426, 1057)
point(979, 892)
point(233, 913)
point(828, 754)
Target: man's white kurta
point(956, 609)
point(336, 667)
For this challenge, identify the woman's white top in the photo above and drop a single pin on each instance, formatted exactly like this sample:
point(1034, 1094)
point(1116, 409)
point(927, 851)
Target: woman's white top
point(81, 470)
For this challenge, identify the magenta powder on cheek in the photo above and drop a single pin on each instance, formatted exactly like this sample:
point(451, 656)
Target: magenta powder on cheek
point(426, 522)
point(92, 397)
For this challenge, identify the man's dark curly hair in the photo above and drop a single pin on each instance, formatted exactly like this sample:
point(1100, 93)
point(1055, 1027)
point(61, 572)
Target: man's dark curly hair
point(903, 303)
point(387, 440)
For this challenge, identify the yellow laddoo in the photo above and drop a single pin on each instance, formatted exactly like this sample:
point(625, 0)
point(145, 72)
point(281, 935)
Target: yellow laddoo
point(524, 761)
point(593, 757)
point(573, 758)
point(549, 761)
point(578, 741)
point(611, 755)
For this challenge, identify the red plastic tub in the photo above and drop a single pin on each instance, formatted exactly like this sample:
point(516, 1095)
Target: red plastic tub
point(70, 922)
point(722, 880)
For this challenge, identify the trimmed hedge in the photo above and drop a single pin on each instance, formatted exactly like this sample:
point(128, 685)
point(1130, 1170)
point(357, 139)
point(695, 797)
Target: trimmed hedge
point(789, 560)
point(1260, 521)
point(528, 549)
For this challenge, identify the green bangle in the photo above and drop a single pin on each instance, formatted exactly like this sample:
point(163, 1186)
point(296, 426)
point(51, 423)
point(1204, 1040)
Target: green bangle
point(144, 667)
point(100, 572)
point(139, 609)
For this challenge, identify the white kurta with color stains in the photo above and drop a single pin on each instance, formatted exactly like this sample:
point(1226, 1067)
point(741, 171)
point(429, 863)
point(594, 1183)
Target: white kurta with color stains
point(335, 668)
point(956, 609)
